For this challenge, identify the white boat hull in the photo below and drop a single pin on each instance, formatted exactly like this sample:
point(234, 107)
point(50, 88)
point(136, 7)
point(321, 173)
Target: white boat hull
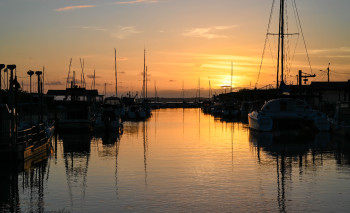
point(270, 123)
point(264, 124)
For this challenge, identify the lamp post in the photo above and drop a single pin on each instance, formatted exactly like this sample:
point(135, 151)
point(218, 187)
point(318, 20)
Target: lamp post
point(38, 73)
point(7, 81)
point(30, 73)
point(11, 101)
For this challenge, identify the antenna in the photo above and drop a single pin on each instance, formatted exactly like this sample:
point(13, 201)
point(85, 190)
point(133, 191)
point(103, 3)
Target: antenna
point(328, 70)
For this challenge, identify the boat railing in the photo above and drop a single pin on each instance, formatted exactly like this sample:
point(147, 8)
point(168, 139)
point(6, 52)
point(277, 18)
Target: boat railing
point(31, 136)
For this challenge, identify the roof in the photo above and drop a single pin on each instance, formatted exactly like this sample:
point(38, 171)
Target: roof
point(73, 92)
point(335, 85)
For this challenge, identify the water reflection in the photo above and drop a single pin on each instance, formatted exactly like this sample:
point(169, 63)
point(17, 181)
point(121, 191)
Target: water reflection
point(108, 137)
point(304, 151)
point(214, 165)
point(24, 183)
point(341, 146)
point(76, 154)
point(145, 149)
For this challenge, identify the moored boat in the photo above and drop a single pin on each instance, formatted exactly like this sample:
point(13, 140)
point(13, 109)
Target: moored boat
point(287, 113)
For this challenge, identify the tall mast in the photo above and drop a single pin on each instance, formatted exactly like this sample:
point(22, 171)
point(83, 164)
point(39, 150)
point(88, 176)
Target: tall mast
point(1, 67)
point(115, 71)
point(282, 38)
point(68, 82)
point(231, 74)
point(94, 79)
point(183, 92)
point(209, 89)
point(280, 57)
point(146, 82)
point(155, 92)
point(199, 90)
point(43, 80)
point(73, 79)
point(144, 73)
point(82, 80)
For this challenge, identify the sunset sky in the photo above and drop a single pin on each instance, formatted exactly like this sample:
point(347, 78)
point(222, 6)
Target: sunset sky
point(184, 39)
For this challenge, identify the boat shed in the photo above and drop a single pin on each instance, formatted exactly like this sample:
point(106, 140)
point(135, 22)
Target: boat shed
point(331, 92)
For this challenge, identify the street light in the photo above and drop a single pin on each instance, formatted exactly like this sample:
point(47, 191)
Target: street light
point(38, 73)
point(30, 73)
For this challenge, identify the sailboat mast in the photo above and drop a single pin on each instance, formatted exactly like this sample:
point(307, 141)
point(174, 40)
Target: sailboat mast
point(155, 91)
point(43, 80)
point(144, 73)
point(70, 65)
point(183, 91)
point(282, 39)
point(94, 79)
point(115, 71)
point(231, 75)
point(209, 89)
point(199, 90)
point(280, 57)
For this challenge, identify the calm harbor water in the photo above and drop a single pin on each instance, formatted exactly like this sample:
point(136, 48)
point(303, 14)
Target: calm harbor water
point(184, 161)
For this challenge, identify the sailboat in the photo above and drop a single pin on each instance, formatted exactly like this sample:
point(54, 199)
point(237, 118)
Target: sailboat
point(112, 109)
point(286, 113)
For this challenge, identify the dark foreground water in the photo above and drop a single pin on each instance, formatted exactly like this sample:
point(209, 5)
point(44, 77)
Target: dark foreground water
point(183, 161)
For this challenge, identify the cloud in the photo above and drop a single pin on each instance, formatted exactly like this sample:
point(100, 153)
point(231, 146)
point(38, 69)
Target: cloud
point(331, 50)
point(122, 59)
point(121, 32)
point(54, 83)
point(74, 7)
point(208, 32)
point(124, 32)
point(92, 76)
point(172, 80)
point(91, 28)
point(137, 1)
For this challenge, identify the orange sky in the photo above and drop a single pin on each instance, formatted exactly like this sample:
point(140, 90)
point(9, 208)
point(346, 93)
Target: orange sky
point(184, 41)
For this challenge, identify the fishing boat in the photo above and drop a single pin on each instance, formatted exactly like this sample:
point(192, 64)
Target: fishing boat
point(75, 107)
point(286, 113)
point(22, 142)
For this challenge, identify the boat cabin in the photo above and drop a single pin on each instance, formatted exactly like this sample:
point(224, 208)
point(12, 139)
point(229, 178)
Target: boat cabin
point(285, 105)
